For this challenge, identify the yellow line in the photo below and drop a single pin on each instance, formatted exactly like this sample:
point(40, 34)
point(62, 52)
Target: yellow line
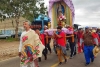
point(56, 64)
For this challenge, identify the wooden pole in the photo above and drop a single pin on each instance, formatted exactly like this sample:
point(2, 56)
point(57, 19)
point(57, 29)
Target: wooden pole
point(72, 36)
point(46, 39)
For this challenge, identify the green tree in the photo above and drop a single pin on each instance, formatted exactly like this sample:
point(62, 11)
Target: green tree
point(20, 8)
point(43, 9)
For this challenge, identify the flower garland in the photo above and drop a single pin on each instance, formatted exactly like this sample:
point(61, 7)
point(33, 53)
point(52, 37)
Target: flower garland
point(61, 18)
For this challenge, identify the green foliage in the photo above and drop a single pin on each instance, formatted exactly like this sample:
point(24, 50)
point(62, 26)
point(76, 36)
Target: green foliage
point(28, 9)
point(43, 9)
point(25, 8)
point(10, 39)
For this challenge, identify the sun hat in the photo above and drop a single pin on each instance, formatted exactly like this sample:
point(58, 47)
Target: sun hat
point(96, 51)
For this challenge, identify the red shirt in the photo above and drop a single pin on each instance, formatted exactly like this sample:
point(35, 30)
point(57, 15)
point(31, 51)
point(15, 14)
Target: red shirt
point(42, 39)
point(95, 35)
point(79, 35)
point(70, 28)
point(61, 41)
point(99, 40)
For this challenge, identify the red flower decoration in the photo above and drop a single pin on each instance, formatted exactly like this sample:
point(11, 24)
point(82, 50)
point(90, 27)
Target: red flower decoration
point(24, 38)
point(36, 47)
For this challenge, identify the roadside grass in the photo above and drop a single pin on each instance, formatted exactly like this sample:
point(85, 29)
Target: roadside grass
point(10, 39)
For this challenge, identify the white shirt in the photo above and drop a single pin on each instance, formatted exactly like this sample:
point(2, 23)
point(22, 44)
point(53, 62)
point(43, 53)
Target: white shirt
point(20, 46)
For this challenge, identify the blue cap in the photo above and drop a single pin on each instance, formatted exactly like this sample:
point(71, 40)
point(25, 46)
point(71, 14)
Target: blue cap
point(86, 27)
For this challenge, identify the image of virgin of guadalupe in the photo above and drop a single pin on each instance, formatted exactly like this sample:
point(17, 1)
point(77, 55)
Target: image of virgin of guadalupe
point(60, 8)
point(60, 14)
point(29, 53)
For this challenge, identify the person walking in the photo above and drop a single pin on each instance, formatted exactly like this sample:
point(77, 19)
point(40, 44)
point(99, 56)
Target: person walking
point(88, 46)
point(49, 40)
point(79, 37)
point(30, 47)
point(41, 36)
point(61, 45)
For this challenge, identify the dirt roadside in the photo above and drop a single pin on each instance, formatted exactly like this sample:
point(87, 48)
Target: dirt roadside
point(8, 49)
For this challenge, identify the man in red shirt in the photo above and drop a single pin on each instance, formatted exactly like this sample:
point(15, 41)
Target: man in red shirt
point(96, 37)
point(80, 37)
point(41, 36)
point(61, 45)
point(98, 32)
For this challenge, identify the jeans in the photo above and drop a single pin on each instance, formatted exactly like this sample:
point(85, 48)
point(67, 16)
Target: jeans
point(88, 53)
point(44, 52)
point(73, 48)
point(48, 46)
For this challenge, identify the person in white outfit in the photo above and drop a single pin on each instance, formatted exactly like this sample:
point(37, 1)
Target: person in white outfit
point(29, 48)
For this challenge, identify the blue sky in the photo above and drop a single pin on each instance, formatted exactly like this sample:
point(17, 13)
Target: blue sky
point(87, 12)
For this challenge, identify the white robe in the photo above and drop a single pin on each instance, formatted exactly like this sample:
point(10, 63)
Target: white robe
point(33, 39)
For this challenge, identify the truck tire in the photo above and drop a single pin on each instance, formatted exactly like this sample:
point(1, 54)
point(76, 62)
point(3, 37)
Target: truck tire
point(6, 37)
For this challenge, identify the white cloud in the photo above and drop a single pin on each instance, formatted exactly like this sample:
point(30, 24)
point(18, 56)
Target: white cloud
point(46, 2)
point(79, 12)
point(91, 13)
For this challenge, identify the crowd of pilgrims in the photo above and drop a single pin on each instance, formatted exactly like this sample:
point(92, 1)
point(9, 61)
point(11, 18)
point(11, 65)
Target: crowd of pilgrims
point(61, 43)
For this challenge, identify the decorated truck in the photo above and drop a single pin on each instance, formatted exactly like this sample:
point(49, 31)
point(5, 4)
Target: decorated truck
point(61, 13)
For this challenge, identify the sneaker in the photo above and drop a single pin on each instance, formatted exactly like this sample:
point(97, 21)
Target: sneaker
point(87, 64)
point(92, 60)
point(65, 60)
point(71, 57)
point(60, 63)
point(45, 58)
point(74, 54)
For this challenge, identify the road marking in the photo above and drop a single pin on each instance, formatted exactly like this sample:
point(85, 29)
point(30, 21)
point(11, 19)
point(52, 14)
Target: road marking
point(56, 64)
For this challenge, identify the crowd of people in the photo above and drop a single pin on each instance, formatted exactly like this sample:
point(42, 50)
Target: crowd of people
point(86, 40)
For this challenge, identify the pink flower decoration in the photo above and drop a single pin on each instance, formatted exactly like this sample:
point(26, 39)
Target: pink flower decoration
point(67, 31)
point(21, 56)
point(64, 30)
point(62, 17)
point(24, 38)
point(36, 47)
point(50, 31)
point(38, 51)
point(34, 56)
point(71, 29)
point(26, 61)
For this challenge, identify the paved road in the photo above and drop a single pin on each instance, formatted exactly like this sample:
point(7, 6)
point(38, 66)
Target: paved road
point(13, 62)
point(77, 61)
